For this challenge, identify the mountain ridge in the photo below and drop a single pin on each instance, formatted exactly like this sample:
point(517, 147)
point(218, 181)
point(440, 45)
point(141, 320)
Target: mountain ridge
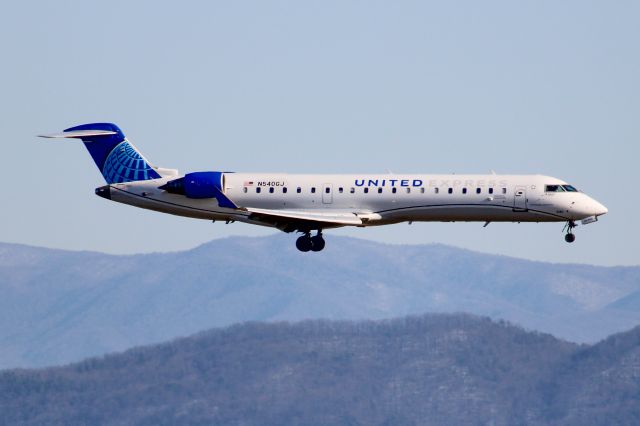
point(60, 306)
point(336, 237)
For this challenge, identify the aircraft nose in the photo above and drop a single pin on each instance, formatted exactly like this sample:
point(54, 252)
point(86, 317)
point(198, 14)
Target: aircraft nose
point(599, 209)
point(586, 207)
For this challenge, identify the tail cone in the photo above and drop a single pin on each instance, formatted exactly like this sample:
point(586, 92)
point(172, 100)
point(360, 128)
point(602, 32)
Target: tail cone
point(104, 192)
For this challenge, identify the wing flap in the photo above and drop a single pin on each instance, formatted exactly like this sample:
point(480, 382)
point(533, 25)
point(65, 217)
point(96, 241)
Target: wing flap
point(333, 217)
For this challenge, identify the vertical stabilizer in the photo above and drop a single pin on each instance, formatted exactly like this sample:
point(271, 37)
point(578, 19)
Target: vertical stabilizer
point(117, 159)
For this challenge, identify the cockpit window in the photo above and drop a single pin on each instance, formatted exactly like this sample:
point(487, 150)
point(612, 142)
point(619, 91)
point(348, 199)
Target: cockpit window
point(569, 188)
point(554, 188)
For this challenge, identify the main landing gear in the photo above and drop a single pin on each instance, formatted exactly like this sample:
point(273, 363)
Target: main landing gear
point(570, 236)
point(308, 243)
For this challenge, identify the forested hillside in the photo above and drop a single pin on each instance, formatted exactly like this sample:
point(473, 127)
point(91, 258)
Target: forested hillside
point(432, 370)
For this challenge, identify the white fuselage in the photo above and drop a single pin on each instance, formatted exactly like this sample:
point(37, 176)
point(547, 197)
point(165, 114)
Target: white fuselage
point(381, 199)
point(304, 203)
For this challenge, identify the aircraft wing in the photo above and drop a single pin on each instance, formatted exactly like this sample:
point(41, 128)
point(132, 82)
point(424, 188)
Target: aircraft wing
point(297, 218)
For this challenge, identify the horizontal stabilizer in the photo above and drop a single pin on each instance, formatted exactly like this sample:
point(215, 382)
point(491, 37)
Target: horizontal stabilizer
point(79, 134)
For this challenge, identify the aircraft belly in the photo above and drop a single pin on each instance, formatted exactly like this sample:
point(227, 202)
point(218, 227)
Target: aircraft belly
point(176, 205)
point(466, 214)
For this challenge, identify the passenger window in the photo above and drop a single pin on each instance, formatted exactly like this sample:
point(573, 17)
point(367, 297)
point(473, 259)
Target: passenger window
point(490, 190)
point(450, 190)
point(408, 190)
point(437, 190)
point(341, 190)
point(284, 189)
point(258, 190)
point(394, 190)
point(271, 190)
point(352, 190)
point(422, 190)
point(244, 189)
point(478, 190)
point(504, 190)
point(464, 190)
point(379, 190)
point(313, 189)
point(298, 190)
point(366, 190)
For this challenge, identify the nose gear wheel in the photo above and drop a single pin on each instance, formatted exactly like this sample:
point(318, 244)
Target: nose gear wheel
point(570, 236)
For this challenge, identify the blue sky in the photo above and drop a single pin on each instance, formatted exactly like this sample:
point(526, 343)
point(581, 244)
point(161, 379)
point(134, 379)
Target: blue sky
point(347, 86)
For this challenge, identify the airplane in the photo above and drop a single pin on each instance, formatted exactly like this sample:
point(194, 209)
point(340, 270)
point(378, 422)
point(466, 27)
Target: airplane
point(307, 203)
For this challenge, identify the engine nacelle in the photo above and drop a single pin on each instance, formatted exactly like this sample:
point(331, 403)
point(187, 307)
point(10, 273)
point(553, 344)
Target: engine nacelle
point(197, 185)
point(201, 185)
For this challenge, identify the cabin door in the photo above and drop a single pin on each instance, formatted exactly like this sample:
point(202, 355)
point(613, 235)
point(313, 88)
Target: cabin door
point(327, 193)
point(520, 199)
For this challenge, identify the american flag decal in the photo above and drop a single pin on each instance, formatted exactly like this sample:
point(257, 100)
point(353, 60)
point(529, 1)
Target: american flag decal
point(248, 183)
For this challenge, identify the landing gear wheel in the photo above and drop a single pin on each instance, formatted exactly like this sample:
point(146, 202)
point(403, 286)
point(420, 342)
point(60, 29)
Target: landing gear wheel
point(304, 243)
point(569, 227)
point(317, 243)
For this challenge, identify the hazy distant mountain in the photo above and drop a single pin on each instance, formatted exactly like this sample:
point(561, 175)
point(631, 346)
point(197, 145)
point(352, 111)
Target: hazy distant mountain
point(60, 306)
point(429, 370)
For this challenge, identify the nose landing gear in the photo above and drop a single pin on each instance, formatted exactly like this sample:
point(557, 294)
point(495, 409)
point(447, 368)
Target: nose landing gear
point(570, 236)
point(308, 243)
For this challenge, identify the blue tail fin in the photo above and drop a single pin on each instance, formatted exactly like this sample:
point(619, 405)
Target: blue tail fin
point(117, 159)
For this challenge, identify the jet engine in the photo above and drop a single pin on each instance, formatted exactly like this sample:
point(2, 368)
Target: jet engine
point(197, 185)
point(200, 185)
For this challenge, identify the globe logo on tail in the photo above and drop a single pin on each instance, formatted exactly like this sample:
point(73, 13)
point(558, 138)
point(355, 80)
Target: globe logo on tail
point(125, 164)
